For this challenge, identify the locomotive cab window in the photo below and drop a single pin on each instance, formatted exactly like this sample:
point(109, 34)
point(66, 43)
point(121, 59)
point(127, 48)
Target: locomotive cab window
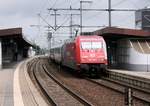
point(91, 45)
point(96, 45)
point(86, 45)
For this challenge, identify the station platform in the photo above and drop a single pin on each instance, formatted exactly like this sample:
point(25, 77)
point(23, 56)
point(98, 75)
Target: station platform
point(6, 87)
point(16, 88)
point(145, 75)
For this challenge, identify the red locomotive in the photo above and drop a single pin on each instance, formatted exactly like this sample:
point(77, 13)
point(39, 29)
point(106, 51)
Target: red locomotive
point(85, 54)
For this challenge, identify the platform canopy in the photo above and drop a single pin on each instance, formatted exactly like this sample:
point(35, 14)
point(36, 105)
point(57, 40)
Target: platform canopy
point(112, 32)
point(13, 33)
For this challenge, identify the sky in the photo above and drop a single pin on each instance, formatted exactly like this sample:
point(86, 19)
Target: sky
point(24, 13)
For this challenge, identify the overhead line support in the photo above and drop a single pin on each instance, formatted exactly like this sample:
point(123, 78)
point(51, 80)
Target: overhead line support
point(78, 9)
point(109, 12)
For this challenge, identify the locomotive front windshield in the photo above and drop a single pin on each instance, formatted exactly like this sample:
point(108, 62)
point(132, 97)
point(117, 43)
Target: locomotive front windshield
point(91, 45)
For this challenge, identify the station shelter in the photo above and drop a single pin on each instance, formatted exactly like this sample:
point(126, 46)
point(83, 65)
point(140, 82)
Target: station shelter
point(127, 48)
point(13, 47)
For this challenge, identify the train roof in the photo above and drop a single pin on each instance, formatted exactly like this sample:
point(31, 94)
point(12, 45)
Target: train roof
point(88, 36)
point(80, 37)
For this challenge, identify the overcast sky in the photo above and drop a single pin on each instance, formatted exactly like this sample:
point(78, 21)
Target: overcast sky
point(23, 13)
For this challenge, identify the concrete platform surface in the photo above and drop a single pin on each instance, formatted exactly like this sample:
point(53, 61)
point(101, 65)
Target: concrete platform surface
point(6, 87)
point(29, 94)
point(17, 89)
point(145, 75)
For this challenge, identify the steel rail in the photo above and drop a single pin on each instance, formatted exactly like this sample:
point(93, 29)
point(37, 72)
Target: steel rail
point(70, 91)
point(50, 100)
point(122, 91)
point(102, 84)
point(78, 9)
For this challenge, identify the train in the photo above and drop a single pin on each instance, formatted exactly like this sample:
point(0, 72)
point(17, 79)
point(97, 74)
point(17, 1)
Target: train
point(84, 54)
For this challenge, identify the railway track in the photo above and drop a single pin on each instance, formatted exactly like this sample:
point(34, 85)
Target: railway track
point(41, 75)
point(139, 88)
point(41, 87)
point(117, 86)
point(142, 84)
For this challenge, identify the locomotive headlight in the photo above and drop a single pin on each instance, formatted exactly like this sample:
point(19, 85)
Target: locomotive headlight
point(102, 59)
point(92, 55)
point(84, 56)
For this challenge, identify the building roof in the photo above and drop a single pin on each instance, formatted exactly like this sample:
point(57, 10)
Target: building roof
point(121, 32)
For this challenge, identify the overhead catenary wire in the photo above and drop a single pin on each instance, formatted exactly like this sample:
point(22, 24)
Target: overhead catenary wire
point(94, 16)
point(41, 9)
point(146, 3)
point(133, 3)
point(54, 4)
point(75, 2)
point(121, 2)
point(46, 22)
point(45, 3)
point(118, 3)
point(96, 9)
point(62, 23)
point(60, 3)
point(96, 4)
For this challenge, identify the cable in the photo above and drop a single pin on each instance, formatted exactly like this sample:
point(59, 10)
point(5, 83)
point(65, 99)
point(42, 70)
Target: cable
point(46, 22)
point(63, 23)
point(96, 3)
point(93, 16)
point(44, 5)
point(132, 2)
point(44, 18)
point(120, 2)
point(60, 3)
point(124, 18)
point(76, 1)
point(54, 4)
point(51, 7)
point(147, 4)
